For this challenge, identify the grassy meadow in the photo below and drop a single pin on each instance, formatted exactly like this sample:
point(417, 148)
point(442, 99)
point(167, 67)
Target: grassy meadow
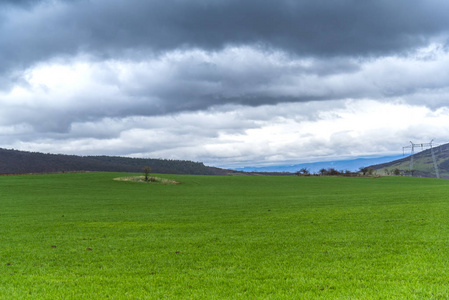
point(87, 236)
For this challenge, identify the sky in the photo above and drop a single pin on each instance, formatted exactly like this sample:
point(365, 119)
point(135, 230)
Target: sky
point(225, 82)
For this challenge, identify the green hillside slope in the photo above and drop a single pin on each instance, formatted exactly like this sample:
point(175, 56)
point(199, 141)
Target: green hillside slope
point(423, 165)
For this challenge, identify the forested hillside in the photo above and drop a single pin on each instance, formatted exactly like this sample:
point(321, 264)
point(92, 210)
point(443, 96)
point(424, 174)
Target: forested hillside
point(14, 161)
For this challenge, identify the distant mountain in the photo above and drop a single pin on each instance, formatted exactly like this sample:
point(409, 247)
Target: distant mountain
point(350, 165)
point(14, 161)
point(423, 165)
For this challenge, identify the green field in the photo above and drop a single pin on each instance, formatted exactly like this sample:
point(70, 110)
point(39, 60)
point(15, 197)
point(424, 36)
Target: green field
point(87, 236)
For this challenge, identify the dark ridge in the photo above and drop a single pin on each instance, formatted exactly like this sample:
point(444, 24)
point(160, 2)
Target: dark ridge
point(21, 162)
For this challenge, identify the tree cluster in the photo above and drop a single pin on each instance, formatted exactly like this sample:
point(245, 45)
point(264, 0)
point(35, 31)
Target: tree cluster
point(326, 172)
point(334, 172)
point(14, 161)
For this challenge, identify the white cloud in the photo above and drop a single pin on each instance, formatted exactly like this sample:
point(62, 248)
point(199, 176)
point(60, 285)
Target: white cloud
point(357, 128)
point(233, 107)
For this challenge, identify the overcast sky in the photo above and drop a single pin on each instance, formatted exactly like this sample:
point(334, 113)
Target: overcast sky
point(230, 83)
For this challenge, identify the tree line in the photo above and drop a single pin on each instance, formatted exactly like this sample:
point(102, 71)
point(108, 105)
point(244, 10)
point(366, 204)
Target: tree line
point(363, 171)
point(15, 161)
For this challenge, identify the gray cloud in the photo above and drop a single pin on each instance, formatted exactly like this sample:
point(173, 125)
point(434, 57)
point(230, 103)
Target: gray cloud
point(311, 28)
point(221, 81)
point(85, 90)
point(242, 135)
point(23, 3)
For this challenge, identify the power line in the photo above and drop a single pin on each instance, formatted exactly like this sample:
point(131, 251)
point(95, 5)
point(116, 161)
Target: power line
point(412, 146)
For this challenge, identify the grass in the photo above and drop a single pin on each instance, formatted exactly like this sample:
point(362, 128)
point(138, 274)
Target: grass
point(78, 236)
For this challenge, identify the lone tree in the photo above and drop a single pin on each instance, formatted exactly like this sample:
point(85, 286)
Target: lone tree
point(323, 172)
point(146, 170)
point(367, 170)
point(305, 171)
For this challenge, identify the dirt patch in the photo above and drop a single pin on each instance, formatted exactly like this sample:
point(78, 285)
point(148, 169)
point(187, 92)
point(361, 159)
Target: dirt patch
point(150, 179)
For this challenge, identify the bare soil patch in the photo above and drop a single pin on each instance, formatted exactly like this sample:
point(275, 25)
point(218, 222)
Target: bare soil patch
point(151, 179)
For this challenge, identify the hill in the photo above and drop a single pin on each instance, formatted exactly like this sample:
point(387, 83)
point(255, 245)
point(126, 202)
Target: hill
point(422, 163)
point(15, 161)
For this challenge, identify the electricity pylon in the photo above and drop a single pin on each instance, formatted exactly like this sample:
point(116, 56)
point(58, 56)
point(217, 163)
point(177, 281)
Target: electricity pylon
point(422, 145)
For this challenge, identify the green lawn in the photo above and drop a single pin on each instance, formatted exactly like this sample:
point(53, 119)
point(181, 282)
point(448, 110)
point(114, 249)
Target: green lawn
point(87, 236)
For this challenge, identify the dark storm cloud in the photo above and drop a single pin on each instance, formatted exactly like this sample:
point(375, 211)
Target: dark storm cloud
point(311, 28)
point(82, 90)
point(65, 63)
